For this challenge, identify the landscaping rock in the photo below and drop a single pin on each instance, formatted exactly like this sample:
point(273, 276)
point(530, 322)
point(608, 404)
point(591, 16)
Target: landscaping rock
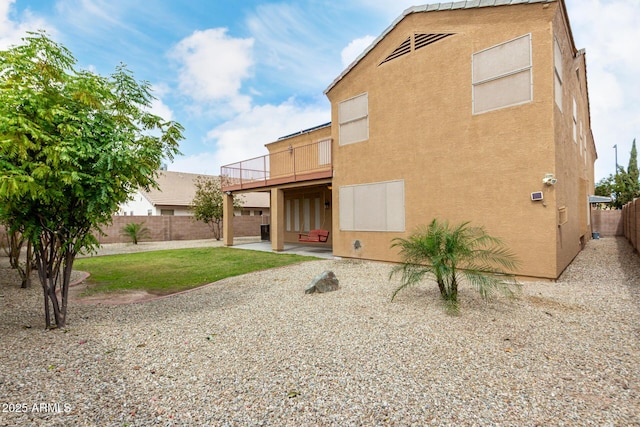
point(325, 282)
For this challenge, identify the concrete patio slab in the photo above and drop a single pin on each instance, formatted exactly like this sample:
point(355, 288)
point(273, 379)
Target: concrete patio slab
point(289, 248)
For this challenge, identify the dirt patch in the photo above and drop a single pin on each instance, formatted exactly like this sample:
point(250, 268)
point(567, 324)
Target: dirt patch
point(77, 289)
point(548, 303)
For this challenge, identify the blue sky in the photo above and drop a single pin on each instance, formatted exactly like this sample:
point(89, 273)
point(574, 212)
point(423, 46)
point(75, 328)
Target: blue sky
point(240, 73)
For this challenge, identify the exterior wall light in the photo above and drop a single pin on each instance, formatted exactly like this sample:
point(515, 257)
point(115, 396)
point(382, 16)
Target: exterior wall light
point(549, 179)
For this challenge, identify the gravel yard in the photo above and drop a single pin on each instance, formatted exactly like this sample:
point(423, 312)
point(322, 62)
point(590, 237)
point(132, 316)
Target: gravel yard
point(255, 350)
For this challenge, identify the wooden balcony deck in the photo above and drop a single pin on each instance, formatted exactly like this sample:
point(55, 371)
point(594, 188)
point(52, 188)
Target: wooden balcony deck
point(304, 163)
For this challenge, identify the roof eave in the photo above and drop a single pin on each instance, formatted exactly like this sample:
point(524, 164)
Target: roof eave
point(465, 4)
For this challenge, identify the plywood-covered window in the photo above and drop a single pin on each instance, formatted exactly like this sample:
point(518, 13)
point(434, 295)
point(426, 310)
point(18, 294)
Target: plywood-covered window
point(292, 213)
point(575, 121)
point(502, 75)
point(583, 146)
point(317, 213)
point(557, 66)
point(372, 207)
point(353, 115)
point(303, 214)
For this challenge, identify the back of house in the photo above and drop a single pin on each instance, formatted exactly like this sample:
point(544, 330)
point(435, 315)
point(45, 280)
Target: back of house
point(466, 111)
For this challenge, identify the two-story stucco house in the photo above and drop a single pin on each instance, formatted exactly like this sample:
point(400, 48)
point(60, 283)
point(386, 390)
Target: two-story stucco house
point(466, 111)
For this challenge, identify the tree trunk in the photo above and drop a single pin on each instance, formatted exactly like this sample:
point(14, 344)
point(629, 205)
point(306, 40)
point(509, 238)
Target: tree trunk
point(454, 287)
point(15, 247)
point(25, 274)
point(51, 261)
point(442, 287)
point(66, 279)
point(215, 227)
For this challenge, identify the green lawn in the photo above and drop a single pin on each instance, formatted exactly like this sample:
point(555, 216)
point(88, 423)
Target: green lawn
point(170, 271)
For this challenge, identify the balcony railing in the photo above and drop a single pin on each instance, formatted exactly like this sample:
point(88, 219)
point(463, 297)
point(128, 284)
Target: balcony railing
point(307, 162)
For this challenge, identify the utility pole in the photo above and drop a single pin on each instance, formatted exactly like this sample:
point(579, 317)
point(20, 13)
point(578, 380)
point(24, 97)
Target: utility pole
point(616, 147)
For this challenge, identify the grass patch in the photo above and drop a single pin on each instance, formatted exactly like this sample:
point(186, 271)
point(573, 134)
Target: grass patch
point(169, 271)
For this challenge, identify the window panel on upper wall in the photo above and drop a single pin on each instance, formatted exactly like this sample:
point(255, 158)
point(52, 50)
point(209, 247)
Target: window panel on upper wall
point(502, 75)
point(353, 117)
point(558, 70)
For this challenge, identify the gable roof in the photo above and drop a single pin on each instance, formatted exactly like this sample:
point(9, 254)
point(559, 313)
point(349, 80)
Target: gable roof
point(452, 5)
point(255, 200)
point(175, 189)
point(179, 189)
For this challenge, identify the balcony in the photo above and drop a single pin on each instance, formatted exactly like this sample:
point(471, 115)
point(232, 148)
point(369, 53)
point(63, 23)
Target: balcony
point(296, 164)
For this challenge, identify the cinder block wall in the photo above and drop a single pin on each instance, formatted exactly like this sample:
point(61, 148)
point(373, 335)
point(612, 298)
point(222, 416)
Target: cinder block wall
point(607, 223)
point(630, 219)
point(164, 228)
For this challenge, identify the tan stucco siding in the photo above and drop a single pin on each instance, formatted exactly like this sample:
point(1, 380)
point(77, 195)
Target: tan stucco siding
point(298, 152)
point(574, 157)
point(299, 140)
point(456, 165)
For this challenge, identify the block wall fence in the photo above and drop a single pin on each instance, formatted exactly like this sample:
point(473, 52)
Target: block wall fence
point(631, 222)
point(164, 228)
point(607, 223)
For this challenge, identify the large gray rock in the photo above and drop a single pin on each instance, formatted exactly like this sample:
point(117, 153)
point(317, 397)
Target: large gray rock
point(325, 282)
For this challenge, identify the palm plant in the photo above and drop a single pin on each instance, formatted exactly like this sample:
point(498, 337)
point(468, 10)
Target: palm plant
point(135, 231)
point(452, 254)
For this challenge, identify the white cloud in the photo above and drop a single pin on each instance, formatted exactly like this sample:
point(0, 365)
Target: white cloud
point(294, 45)
point(354, 49)
point(158, 107)
point(213, 66)
point(11, 32)
point(202, 163)
point(161, 109)
point(91, 15)
point(609, 33)
point(244, 136)
point(390, 9)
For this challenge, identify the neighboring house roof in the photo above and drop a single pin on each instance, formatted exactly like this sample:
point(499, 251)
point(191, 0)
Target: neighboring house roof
point(255, 200)
point(599, 199)
point(175, 189)
point(179, 189)
point(468, 4)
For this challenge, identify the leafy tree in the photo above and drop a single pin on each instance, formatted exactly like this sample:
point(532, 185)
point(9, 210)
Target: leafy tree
point(73, 146)
point(451, 254)
point(607, 187)
point(135, 231)
point(631, 182)
point(624, 186)
point(632, 170)
point(207, 203)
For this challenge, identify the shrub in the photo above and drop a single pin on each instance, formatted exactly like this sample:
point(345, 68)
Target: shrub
point(451, 254)
point(136, 232)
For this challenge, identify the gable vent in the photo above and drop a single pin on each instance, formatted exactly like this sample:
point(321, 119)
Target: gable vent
point(403, 49)
point(422, 40)
point(419, 41)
